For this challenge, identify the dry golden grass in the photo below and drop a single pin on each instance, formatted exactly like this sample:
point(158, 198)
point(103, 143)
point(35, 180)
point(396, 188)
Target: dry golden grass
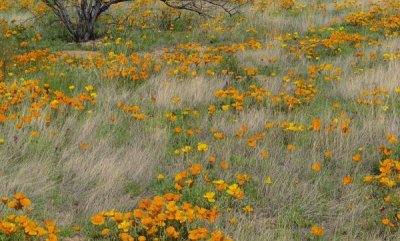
point(192, 92)
point(83, 180)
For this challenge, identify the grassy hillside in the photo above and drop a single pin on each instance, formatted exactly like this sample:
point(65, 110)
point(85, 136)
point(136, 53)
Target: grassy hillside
point(278, 123)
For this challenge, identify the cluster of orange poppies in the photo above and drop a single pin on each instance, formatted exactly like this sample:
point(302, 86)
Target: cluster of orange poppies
point(16, 221)
point(159, 218)
point(387, 182)
point(39, 96)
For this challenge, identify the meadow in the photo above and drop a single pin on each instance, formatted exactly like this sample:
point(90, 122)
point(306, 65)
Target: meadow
point(280, 122)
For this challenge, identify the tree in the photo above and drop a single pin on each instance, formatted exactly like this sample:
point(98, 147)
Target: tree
point(80, 16)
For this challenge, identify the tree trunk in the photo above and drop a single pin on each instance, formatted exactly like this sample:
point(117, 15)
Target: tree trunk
point(82, 26)
point(87, 16)
point(85, 31)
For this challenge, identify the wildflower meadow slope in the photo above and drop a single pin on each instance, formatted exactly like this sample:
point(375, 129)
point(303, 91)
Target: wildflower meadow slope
point(278, 122)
